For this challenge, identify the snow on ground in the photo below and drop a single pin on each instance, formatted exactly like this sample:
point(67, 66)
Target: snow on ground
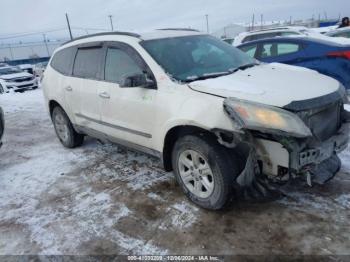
point(103, 199)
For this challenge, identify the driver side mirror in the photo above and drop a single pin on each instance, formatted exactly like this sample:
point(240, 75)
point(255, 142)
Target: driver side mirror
point(138, 80)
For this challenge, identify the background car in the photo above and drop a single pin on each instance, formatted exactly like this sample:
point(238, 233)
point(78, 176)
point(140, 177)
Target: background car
point(268, 33)
point(27, 68)
point(2, 125)
point(39, 69)
point(342, 32)
point(17, 80)
point(327, 57)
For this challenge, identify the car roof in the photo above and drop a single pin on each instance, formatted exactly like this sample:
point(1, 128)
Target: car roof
point(324, 40)
point(339, 30)
point(156, 34)
point(276, 29)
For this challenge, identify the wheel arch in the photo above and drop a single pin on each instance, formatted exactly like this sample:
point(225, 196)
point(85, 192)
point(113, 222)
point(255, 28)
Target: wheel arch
point(173, 135)
point(52, 105)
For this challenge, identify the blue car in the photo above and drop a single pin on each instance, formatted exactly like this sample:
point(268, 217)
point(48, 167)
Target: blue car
point(328, 57)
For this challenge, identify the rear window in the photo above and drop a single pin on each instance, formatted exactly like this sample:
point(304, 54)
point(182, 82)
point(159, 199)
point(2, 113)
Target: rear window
point(87, 63)
point(63, 60)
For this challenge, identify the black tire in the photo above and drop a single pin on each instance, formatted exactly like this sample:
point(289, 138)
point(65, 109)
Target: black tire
point(224, 164)
point(72, 139)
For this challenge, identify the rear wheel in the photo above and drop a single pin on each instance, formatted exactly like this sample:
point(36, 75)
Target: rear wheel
point(205, 170)
point(64, 129)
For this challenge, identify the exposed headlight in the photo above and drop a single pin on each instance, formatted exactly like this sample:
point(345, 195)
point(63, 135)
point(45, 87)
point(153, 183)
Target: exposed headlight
point(269, 119)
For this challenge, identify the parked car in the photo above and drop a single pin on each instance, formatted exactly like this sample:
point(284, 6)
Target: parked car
point(12, 78)
point(39, 69)
point(325, 56)
point(341, 32)
point(2, 125)
point(217, 118)
point(323, 30)
point(268, 33)
point(27, 68)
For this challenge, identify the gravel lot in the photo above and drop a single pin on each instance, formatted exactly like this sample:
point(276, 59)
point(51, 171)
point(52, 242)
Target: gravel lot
point(102, 199)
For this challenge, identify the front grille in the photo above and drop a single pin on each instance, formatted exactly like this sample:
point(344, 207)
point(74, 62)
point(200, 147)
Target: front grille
point(22, 79)
point(323, 122)
point(24, 86)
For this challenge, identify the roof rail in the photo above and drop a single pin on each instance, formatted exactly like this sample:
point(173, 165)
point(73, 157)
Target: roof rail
point(103, 34)
point(178, 29)
point(270, 29)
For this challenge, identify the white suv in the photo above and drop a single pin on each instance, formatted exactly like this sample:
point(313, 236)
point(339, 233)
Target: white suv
point(219, 120)
point(17, 80)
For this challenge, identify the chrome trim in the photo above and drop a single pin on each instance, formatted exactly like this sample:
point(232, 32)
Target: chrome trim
point(135, 132)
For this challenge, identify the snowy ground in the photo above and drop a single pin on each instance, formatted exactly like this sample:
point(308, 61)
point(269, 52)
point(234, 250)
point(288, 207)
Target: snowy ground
point(101, 199)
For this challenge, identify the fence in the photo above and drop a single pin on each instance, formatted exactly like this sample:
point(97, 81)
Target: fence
point(33, 50)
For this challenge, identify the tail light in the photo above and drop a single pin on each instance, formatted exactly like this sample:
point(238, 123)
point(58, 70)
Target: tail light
point(340, 54)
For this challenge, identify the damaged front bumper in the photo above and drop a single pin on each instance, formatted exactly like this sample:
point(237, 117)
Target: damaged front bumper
point(287, 158)
point(282, 155)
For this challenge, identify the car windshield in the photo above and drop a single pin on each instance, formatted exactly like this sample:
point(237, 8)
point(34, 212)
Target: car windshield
point(9, 70)
point(192, 58)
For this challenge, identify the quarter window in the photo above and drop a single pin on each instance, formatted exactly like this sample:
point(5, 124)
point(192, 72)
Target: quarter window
point(120, 65)
point(87, 63)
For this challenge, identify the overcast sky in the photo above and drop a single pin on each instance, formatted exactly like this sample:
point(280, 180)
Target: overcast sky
point(22, 16)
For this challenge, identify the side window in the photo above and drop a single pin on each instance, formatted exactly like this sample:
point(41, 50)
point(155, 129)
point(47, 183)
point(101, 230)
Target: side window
point(63, 60)
point(87, 63)
point(267, 35)
point(278, 49)
point(289, 33)
point(250, 50)
point(288, 48)
point(119, 65)
point(343, 34)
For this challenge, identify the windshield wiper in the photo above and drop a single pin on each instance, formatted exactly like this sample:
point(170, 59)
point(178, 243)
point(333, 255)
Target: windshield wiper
point(218, 74)
point(206, 76)
point(243, 67)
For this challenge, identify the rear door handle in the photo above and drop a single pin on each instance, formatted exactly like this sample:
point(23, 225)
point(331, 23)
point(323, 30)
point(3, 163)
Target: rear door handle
point(69, 88)
point(105, 95)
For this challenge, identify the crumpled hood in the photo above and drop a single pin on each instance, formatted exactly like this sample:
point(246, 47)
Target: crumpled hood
point(272, 84)
point(14, 76)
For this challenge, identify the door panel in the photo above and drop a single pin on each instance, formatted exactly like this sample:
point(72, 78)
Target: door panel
point(128, 112)
point(84, 84)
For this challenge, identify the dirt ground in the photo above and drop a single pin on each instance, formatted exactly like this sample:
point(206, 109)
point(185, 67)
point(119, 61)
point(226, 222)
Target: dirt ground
point(102, 199)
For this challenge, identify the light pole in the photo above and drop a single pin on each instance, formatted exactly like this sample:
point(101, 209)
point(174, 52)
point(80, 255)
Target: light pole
point(110, 19)
point(207, 19)
point(69, 29)
point(47, 48)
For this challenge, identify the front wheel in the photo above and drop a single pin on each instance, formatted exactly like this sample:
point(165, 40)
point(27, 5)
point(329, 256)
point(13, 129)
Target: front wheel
point(205, 170)
point(64, 129)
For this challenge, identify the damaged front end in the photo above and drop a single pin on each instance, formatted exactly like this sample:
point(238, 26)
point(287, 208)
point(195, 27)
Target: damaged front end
point(300, 140)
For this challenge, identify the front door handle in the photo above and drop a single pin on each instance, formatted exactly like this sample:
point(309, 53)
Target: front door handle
point(69, 88)
point(105, 95)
